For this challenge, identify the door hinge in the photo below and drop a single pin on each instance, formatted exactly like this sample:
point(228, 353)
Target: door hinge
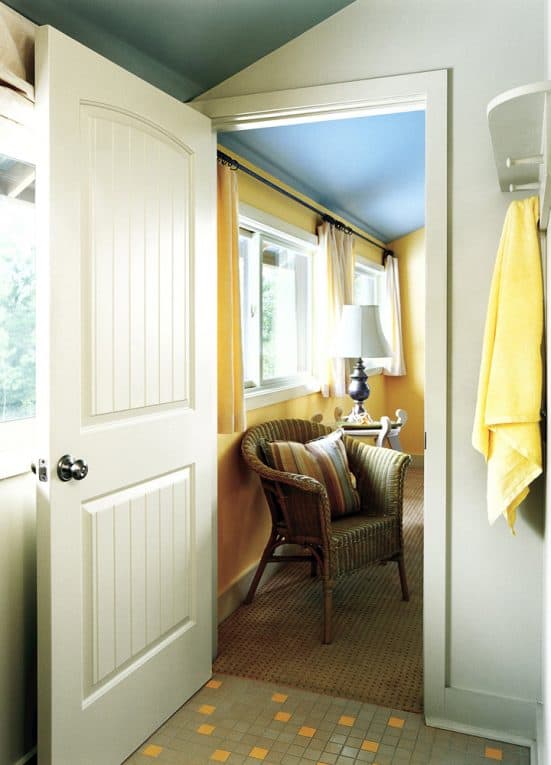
point(425, 440)
point(42, 470)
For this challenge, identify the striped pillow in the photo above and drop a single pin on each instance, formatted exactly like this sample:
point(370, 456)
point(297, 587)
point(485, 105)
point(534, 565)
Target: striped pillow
point(323, 459)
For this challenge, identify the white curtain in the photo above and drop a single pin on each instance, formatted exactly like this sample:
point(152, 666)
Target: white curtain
point(334, 287)
point(391, 318)
point(17, 36)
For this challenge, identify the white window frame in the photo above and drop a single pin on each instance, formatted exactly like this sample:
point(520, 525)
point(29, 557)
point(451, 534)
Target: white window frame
point(376, 271)
point(259, 223)
point(17, 437)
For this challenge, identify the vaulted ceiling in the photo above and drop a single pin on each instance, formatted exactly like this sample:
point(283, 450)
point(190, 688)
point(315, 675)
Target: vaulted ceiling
point(369, 171)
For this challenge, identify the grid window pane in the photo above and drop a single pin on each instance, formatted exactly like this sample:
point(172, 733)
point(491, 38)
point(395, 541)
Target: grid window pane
point(17, 290)
point(366, 286)
point(280, 323)
point(275, 310)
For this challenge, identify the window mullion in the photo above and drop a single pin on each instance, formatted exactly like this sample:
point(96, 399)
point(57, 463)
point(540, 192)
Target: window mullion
point(255, 350)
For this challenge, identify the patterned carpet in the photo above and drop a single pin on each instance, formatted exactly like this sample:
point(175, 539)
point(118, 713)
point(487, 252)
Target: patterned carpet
point(376, 654)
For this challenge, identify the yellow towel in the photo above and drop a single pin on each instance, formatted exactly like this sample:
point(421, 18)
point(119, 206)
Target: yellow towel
point(506, 427)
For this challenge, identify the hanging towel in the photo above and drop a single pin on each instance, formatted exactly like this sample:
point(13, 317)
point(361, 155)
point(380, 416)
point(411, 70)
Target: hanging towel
point(506, 427)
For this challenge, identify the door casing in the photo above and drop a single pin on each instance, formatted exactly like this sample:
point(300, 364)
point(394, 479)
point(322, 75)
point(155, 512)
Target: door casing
point(385, 95)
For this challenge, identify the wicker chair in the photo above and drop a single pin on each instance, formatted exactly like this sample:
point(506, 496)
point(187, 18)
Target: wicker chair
point(301, 515)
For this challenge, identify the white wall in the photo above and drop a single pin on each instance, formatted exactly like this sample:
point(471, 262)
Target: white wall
point(17, 618)
point(494, 585)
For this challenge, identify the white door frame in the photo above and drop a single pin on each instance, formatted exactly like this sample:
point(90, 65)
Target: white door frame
point(385, 95)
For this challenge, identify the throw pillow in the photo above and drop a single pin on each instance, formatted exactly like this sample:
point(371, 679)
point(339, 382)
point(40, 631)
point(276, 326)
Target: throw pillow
point(291, 457)
point(330, 454)
point(323, 459)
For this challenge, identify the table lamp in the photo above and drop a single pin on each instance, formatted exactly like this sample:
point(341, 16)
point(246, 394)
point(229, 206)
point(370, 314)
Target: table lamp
point(360, 336)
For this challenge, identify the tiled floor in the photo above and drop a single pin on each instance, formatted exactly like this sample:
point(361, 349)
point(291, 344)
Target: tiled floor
point(244, 722)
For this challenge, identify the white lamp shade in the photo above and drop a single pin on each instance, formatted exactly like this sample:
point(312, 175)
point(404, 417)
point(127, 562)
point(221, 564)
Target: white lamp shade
point(360, 334)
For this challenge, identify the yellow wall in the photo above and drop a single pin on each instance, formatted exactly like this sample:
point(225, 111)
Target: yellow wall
point(408, 392)
point(243, 517)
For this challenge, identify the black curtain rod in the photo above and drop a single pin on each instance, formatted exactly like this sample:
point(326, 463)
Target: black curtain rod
point(233, 163)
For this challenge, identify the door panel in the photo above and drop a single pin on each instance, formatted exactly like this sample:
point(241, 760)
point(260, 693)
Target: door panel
point(126, 192)
point(137, 566)
point(138, 191)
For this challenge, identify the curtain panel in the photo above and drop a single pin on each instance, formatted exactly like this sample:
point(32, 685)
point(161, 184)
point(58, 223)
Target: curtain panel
point(392, 319)
point(231, 403)
point(334, 287)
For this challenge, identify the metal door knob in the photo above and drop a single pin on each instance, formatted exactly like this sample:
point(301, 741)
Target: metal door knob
point(68, 468)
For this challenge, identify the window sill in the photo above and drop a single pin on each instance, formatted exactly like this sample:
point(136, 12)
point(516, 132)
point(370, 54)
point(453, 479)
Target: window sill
point(266, 397)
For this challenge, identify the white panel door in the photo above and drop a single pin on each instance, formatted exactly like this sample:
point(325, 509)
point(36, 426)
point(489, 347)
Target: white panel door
point(126, 264)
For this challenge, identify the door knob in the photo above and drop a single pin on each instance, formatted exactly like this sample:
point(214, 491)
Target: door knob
point(68, 467)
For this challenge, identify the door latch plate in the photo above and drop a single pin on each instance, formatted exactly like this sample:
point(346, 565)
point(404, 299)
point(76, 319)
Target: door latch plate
point(42, 470)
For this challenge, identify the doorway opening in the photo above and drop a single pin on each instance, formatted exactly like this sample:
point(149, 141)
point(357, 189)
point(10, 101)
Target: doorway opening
point(358, 99)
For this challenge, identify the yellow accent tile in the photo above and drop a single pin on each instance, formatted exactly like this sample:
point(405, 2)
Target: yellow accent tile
point(152, 750)
point(493, 754)
point(214, 684)
point(220, 755)
point(282, 716)
point(396, 722)
point(306, 731)
point(370, 746)
point(206, 730)
point(279, 697)
point(258, 753)
point(206, 709)
point(348, 721)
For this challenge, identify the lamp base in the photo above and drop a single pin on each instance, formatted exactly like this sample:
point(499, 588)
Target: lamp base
point(358, 390)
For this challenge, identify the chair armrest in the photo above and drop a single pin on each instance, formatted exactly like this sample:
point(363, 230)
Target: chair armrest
point(380, 475)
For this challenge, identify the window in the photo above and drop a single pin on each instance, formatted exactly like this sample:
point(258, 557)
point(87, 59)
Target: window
point(368, 282)
point(276, 263)
point(17, 302)
point(17, 290)
point(368, 290)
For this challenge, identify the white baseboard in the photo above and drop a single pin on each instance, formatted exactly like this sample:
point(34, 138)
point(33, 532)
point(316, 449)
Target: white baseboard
point(233, 597)
point(476, 730)
point(495, 735)
point(512, 721)
point(540, 727)
point(26, 757)
point(418, 461)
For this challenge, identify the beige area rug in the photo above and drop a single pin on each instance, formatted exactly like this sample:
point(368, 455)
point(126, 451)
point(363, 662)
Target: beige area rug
point(376, 654)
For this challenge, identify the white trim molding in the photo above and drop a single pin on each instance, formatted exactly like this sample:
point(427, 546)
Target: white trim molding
point(26, 757)
point(384, 95)
point(234, 595)
point(270, 224)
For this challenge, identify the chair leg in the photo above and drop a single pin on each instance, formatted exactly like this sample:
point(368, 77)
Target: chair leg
point(327, 610)
point(403, 578)
point(313, 567)
point(266, 555)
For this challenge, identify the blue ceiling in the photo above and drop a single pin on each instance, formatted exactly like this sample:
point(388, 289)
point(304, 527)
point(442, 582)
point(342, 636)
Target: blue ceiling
point(369, 170)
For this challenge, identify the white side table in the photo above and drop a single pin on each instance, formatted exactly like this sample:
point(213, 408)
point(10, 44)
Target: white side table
point(386, 430)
